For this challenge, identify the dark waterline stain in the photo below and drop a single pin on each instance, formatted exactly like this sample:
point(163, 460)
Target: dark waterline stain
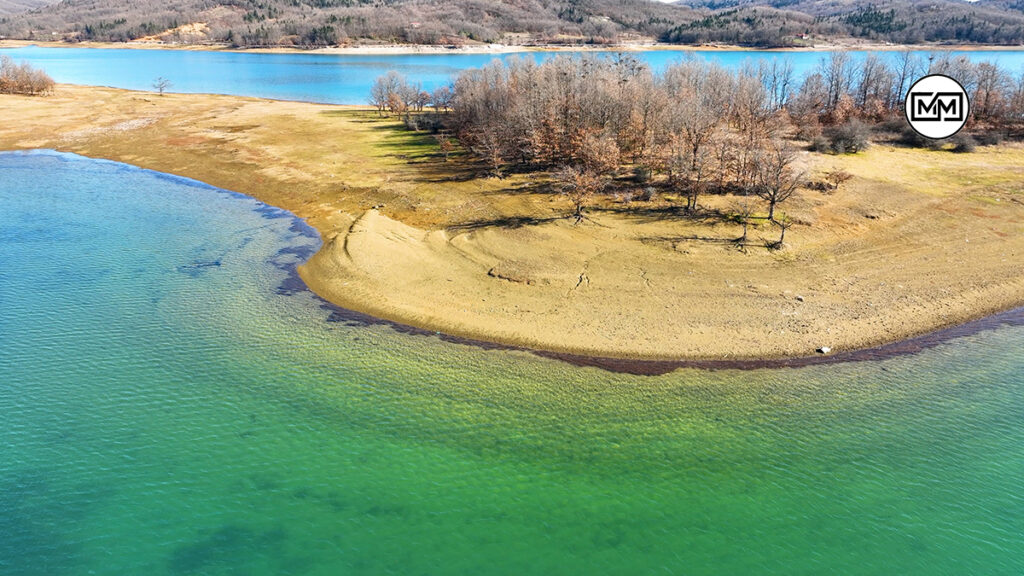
point(300, 227)
point(270, 212)
point(293, 284)
point(639, 367)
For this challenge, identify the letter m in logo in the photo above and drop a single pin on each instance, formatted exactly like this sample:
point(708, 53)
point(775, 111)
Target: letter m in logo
point(937, 107)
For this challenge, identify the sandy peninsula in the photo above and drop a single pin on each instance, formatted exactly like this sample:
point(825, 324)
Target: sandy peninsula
point(918, 240)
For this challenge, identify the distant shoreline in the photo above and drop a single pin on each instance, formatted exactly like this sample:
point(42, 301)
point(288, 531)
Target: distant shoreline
point(431, 49)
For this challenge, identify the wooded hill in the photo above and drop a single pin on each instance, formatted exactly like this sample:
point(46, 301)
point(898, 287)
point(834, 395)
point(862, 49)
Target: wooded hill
point(897, 21)
point(250, 23)
point(16, 6)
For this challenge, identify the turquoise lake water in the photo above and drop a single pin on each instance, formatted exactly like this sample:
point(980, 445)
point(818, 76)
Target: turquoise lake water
point(340, 79)
point(173, 403)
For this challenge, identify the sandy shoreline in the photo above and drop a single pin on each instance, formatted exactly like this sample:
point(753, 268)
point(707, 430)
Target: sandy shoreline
point(652, 367)
point(508, 286)
point(497, 49)
point(919, 241)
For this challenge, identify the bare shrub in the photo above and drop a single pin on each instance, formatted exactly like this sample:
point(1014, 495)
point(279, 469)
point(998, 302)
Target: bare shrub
point(837, 178)
point(964, 143)
point(848, 138)
point(22, 78)
point(820, 144)
point(989, 137)
point(648, 194)
point(910, 137)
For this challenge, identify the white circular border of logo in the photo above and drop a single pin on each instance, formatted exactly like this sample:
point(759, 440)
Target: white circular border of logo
point(930, 85)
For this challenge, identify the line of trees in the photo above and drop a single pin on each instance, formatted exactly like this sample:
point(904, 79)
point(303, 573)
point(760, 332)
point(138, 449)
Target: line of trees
point(697, 120)
point(22, 78)
point(610, 124)
point(697, 128)
point(395, 94)
point(874, 87)
point(836, 104)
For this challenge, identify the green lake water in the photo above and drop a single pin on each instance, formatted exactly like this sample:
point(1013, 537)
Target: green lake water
point(171, 403)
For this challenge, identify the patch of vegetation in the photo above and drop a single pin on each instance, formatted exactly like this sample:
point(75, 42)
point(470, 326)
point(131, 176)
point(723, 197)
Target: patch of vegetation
point(23, 78)
point(848, 138)
point(611, 132)
point(873, 21)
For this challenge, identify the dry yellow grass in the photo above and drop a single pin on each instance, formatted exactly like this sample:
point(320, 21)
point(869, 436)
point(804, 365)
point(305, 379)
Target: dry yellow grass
point(917, 241)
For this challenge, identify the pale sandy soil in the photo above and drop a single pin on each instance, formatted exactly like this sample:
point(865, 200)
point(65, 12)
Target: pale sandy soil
point(919, 240)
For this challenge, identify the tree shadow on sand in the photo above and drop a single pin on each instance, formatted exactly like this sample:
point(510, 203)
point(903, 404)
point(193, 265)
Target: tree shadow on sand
point(508, 223)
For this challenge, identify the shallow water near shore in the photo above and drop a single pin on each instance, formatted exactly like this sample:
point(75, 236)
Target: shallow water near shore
point(173, 403)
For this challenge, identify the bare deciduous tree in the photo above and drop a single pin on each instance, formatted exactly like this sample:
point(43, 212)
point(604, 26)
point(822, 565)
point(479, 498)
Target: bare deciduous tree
point(700, 95)
point(905, 69)
point(744, 210)
point(445, 144)
point(391, 92)
point(161, 84)
point(580, 184)
point(777, 179)
point(990, 92)
point(441, 99)
point(778, 78)
point(836, 71)
point(784, 222)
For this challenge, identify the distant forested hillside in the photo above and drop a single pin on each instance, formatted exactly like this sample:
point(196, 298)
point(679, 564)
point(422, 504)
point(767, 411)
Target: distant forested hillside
point(15, 6)
point(897, 21)
point(327, 22)
point(249, 23)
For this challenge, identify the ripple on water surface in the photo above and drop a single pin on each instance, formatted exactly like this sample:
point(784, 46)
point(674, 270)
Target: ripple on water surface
point(172, 404)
